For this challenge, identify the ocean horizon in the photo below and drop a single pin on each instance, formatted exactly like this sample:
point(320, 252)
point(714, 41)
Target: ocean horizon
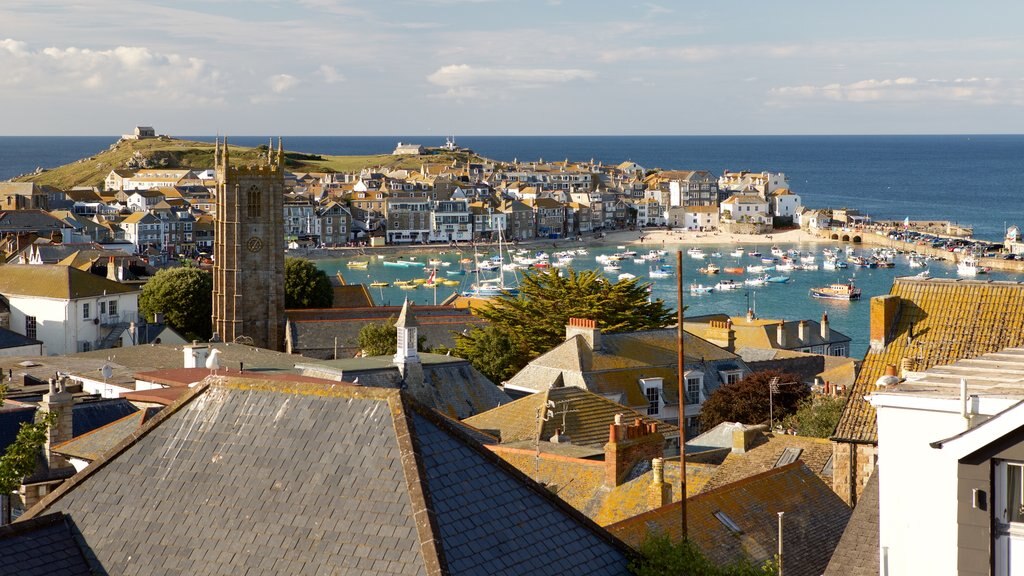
point(962, 178)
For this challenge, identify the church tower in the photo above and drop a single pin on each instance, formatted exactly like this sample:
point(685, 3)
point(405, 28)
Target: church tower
point(248, 269)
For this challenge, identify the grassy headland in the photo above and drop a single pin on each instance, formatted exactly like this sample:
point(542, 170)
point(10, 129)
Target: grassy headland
point(174, 153)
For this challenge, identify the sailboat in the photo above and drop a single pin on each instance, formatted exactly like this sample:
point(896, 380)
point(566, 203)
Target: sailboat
point(490, 287)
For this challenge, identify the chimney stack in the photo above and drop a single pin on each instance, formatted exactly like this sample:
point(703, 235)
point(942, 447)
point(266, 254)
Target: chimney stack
point(586, 328)
point(802, 331)
point(660, 490)
point(883, 317)
point(780, 334)
point(826, 331)
point(750, 314)
point(743, 436)
point(629, 444)
point(195, 355)
point(60, 402)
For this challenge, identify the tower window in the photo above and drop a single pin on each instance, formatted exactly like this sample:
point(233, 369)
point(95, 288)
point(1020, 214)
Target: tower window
point(254, 200)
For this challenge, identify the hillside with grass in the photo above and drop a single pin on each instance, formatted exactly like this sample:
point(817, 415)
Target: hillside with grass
point(166, 152)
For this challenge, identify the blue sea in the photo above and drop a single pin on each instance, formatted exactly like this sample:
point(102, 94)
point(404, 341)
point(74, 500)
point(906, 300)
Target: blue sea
point(969, 179)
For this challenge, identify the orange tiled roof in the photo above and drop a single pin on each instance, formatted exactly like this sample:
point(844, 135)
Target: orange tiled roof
point(952, 319)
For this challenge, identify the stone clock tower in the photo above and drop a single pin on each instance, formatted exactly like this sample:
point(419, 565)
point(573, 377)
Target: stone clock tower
point(248, 253)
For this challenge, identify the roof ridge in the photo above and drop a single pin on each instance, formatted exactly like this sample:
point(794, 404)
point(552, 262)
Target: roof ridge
point(530, 483)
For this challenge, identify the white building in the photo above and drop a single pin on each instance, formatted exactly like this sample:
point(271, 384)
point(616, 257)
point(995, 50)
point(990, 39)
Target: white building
point(951, 468)
point(68, 310)
point(451, 220)
point(700, 217)
point(143, 229)
point(784, 203)
point(745, 208)
point(764, 183)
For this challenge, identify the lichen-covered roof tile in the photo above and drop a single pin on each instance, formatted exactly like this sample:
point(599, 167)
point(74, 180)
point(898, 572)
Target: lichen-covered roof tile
point(952, 320)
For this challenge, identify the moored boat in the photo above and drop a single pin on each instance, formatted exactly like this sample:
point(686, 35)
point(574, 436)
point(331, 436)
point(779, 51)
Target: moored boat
point(728, 285)
point(847, 291)
point(701, 289)
point(358, 264)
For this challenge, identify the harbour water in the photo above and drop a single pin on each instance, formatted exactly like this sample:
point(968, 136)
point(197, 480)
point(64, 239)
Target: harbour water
point(791, 300)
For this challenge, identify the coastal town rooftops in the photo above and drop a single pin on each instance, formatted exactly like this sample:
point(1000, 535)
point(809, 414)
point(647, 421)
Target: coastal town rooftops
point(740, 521)
point(59, 282)
point(586, 419)
point(929, 323)
point(408, 488)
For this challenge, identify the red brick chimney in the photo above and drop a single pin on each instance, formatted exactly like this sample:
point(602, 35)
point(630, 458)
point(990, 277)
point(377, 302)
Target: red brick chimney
point(627, 445)
point(585, 327)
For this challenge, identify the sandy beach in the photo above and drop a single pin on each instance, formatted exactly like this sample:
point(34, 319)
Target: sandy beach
point(659, 236)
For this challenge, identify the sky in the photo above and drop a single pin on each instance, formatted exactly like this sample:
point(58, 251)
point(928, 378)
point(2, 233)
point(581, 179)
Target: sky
point(510, 67)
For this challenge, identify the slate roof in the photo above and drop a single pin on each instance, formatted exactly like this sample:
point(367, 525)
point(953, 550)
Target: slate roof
point(813, 523)
point(952, 319)
point(44, 546)
point(60, 282)
point(857, 551)
point(22, 221)
point(11, 339)
point(451, 385)
point(763, 333)
point(614, 370)
point(310, 479)
point(91, 445)
point(767, 453)
point(586, 423)
point(88, 416)
point(581, 482)
point(12, 415)
point(313, 333)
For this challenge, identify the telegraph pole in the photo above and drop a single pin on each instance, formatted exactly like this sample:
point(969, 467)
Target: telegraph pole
point(682, 397)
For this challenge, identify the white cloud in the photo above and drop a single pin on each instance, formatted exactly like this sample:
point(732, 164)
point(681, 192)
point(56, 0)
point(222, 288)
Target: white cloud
point(463, 81)
point(905, 89)
point(281, 83)
point(330, 74)
point(119, 74)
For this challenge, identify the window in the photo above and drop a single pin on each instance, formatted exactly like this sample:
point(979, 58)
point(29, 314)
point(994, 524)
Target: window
point(1014, 493)
point(732, 377)
point(103, 308)
point(653, 401)
point(85, 310)
point(693, 390)
point(728, 522)
point(30, 327)
point(254, 200)
point(112, 307)
point(838, 351)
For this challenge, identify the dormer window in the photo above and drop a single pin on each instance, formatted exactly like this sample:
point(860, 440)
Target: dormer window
point(652, 389)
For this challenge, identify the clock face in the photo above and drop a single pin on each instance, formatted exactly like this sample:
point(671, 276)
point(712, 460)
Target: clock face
point(254, 244)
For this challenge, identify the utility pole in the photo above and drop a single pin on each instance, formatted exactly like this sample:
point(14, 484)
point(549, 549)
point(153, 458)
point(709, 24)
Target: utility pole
point(780, 543)
point(681, 360)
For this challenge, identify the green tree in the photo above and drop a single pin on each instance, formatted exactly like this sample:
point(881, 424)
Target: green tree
point(185, 297)
point(546, 301)
point(659, 556)
point(381, 339)
point(817, 416)
point(305, 285)
point(495, 352)
point(746, 401)
point(21, 456)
